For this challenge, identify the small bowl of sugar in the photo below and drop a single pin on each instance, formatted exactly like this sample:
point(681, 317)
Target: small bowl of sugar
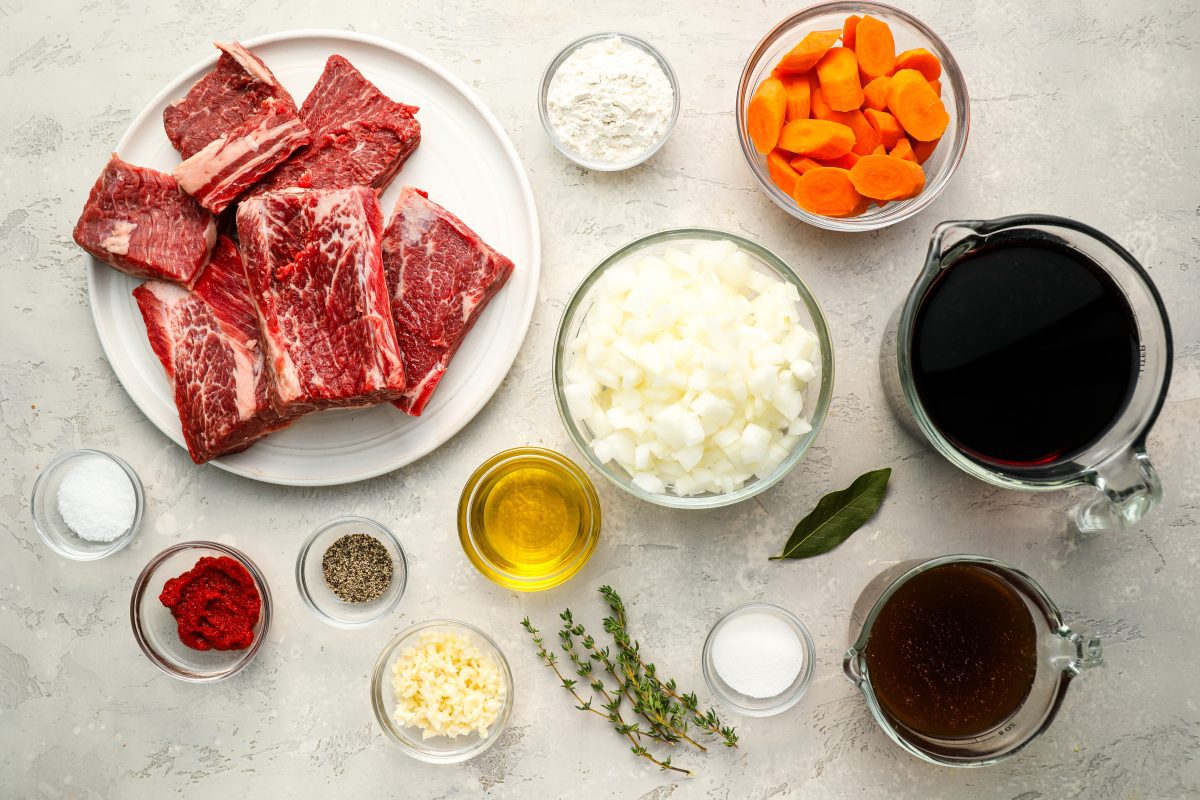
point(758, 659)
point(608, 101)
point(87, 504)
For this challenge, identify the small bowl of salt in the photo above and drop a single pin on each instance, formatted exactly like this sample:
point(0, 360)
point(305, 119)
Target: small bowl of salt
point(758, 659)
point(608, 101)
point(87, 504)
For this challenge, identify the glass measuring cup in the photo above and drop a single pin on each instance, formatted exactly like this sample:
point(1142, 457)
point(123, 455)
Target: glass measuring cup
point(1062, 653)
point(1116, 463)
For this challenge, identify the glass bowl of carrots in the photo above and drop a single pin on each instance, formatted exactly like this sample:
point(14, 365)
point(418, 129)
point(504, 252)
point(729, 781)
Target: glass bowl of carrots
point(852, 115)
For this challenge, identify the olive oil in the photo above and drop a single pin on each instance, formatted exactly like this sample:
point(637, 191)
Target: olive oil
point(529, 519)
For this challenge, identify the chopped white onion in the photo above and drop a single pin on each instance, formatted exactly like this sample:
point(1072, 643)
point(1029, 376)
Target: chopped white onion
point(691, 368)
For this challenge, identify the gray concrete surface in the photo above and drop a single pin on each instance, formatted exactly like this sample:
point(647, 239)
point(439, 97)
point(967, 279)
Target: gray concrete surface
point(1088, 109)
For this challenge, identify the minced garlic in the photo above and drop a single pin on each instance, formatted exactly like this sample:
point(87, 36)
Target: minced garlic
point(447, 686)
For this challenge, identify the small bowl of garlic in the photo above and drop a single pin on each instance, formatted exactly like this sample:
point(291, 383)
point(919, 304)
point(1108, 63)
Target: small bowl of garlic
point(693, 368)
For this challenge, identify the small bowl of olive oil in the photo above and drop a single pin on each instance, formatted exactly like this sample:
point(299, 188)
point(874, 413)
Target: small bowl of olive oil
point(529, 519)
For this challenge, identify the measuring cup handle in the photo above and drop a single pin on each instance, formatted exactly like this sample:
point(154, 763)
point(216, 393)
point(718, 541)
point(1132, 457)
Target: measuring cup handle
point(850, 667)
point(1078, 650)
point(1129, 487)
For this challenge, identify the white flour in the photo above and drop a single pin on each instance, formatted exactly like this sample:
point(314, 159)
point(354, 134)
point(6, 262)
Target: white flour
point(610, 101)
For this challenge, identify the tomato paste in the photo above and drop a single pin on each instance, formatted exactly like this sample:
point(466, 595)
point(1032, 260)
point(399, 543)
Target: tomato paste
point(215, 604)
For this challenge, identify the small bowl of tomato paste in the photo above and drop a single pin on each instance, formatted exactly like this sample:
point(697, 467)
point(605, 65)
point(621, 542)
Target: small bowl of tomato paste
point(200, 611)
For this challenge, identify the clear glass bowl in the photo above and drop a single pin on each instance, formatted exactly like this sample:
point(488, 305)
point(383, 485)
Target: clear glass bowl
point(571, 560)
point(760, 706)
point(310, 576)
point(544, 113)
point(909, 33)
point(53, 528)
point(157, 633)
point(817, 395)
point(437, 749)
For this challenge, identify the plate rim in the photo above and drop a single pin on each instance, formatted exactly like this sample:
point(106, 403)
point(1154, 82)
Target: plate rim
point(533, 268)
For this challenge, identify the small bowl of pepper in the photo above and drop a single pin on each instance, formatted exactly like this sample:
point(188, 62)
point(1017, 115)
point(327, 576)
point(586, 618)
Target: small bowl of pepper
point(351, 571)
point(200, 611)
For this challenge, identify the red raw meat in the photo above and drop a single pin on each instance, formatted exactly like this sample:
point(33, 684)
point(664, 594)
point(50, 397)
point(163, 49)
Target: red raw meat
point(208, 342)
point(313, 261)
point(360, 137)
point(223, 100)
point(234, 126)
point(442, 276)
point(138, 221)
point(238, 159)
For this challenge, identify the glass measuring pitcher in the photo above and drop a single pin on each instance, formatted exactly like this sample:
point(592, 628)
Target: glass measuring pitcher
point(1114, 460)
point(1060, 654)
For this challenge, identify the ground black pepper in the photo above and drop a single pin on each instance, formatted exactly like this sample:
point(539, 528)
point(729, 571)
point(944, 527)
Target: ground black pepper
point(357, 567)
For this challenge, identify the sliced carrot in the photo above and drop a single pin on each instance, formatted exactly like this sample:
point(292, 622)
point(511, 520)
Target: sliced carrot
point(923, 150)
point(886, 126)
point(865, 137)
point(818, 138)
point(886, 178)
point(819, 107)
point(922, 61)
point(805, 55)
point(828, 191)
point(838, 73)
point(879, 151)
point(765, 114)
point(875, 47)
point(799, 97)
point(781, 171)
point(903, 149)
point(848, 30)
point(803, 164)
point(913, 103)
point(875, 93)
point(936, 85)
point(842, 162)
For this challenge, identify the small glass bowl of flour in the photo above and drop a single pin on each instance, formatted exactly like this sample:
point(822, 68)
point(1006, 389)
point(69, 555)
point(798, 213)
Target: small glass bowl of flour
point(87, 504)
point(758, 659)
point(609, 101)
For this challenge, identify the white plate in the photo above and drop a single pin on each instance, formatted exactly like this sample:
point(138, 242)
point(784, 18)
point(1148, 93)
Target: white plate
point(466, 163)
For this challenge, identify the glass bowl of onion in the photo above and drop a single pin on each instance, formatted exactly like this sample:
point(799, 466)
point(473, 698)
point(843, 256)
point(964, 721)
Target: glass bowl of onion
point(693, 368)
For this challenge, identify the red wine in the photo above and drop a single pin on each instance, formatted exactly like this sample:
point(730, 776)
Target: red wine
point(1024, 352)
point(953, 653)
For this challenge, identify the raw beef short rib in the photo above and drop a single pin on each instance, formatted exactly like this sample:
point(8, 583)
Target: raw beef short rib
point(208, 342)
point(441, 276)
point(223, 100)
point(233, 162)
point(360, 137)
point(234, 126)
point(139, 222)
point(313, 261)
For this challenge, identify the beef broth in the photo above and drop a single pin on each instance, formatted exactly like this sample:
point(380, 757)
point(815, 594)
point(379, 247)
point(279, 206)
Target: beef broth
point(953, 653)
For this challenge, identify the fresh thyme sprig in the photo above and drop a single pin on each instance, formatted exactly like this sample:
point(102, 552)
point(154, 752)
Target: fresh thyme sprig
point(667, 711)
point(645, 674)
point(667, 723)
point(611, 706)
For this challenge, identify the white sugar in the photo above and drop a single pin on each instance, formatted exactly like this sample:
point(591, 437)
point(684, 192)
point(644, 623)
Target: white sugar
point(757, 654)
point(96, 500)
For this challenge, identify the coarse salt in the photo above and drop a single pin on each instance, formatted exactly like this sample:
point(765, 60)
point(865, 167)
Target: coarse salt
point(610, 101)
point(96, 500)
